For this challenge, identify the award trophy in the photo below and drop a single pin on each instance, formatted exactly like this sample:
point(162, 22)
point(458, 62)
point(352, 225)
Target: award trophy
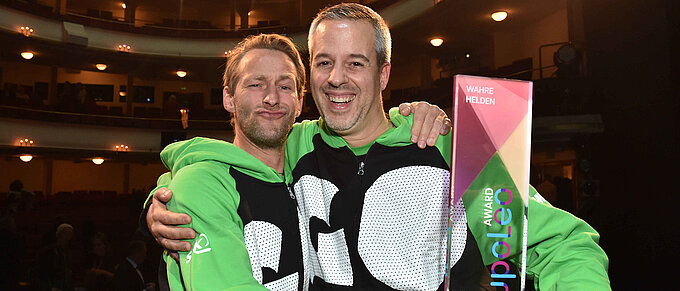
point(490, 173)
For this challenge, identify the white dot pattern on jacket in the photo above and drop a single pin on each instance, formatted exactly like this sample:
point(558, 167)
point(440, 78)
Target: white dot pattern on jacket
point(402, 234)
point(331, 262)
point(263, 242)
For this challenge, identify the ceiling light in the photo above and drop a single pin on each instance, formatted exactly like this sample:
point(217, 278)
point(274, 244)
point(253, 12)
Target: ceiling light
point(122, 148)
point(437, 41)
point(124, 48)
point(467, 56)
point(100, 67)
point(97, 160)
point(26, 158)
point(25, 142)
point(499, 15)
point(26, 31)
point(181, 73)
point(27, 55)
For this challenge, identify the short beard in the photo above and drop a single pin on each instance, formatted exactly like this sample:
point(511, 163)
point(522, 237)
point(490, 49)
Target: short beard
point(273, 139)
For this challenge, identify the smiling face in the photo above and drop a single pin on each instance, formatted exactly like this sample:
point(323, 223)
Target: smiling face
point(346, 77)
point(264, 100)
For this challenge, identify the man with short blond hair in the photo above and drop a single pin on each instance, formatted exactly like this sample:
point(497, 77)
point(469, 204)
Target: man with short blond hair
point(236, 193)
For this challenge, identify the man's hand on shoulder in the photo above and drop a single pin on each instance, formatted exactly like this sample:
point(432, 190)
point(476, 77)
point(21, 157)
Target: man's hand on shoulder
point(429, 121)
point(162, 224)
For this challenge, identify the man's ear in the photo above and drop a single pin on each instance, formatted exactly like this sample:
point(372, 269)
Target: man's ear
point(228, 100)
point(385, 75)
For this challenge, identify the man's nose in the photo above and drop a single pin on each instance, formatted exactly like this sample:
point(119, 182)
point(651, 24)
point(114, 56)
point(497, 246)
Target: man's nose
point(337, 76)
point(272, 97)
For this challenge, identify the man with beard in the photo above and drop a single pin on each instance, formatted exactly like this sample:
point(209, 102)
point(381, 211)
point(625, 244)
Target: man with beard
point(246, 216)
point(375, 204)
point(236, 193)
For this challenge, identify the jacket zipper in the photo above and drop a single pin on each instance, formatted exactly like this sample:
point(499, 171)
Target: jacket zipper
point(290, 192)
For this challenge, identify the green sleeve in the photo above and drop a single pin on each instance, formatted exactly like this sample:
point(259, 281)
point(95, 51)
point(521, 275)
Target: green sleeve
point(218, 259)
point(562, 250)
point(163, 181)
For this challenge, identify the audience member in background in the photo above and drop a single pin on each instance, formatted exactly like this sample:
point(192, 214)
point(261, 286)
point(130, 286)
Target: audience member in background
point(18, 198)
point(128, 277)
point(100, 263)
point(66, 97)
point(81, 93)
point(54, 264)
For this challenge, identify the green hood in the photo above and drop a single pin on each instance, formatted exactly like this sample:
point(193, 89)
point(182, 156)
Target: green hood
point(200, 149)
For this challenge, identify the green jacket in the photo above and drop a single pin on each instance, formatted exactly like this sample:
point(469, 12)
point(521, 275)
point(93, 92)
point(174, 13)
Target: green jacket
point(245, 218)
point(377, 217)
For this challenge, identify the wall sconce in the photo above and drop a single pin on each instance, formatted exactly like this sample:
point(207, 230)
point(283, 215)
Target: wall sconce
point(27, 55)
point(499, 15)
point(122, 148)
point(185, 117)
point(123, 5)
point(181, 73)
point(437, 41)
point(26, 31)
point(25, 142)
point(25, 158)
point(124, 48)
point(101, 67)
point(97, 160)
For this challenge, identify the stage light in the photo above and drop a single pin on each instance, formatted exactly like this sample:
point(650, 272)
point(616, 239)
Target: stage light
point(181, 73)
point(499, 15)
point(100, 67)
point(27, 55)
point(26, 158)
point(436, 41)
point(97, 160)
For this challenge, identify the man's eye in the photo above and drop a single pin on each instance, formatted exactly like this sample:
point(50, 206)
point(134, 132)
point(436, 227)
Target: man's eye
point(323, 63)
point(285, 87)
point(254, 85)
point(357, 64)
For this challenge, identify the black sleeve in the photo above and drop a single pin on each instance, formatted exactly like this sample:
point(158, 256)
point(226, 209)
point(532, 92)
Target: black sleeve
point(143, 227)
